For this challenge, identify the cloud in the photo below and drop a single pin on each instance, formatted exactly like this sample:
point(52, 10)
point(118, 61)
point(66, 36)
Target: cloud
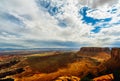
point(98, 3)
point(56, 23)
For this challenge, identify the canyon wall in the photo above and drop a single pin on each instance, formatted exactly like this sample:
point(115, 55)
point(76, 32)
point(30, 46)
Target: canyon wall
point(112, 65)
point(114, 62)
point(94, 49)
point(115, 54)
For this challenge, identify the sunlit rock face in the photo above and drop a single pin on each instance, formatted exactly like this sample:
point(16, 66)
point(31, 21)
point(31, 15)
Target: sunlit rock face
point(93, 50)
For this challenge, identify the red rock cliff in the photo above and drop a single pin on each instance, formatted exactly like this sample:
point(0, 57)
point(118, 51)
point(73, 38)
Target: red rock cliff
point(110, 66)
point(115, 54)
point(114, 61)
point(94, 49)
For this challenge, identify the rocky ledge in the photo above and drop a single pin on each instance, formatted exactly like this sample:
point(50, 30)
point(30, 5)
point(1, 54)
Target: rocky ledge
point(94, 49)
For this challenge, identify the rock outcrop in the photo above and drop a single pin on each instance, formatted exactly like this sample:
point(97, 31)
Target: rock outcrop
point(110, 66)
point(94, 49)
point(115, 54)
point(114, 61)
point(8, 79)
point(68, 78)
point(12, 72)
point(8, 64)
point(7, 68)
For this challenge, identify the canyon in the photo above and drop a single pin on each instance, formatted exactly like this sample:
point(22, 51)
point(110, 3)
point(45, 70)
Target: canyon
point(90, 62)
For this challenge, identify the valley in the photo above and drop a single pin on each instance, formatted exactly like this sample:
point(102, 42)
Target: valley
point(93, 63)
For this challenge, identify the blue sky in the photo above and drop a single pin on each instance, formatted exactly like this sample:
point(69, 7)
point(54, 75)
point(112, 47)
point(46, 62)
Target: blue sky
point(59, 23)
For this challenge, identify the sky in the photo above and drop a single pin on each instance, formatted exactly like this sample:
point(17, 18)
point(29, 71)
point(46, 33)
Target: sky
point(59, 23)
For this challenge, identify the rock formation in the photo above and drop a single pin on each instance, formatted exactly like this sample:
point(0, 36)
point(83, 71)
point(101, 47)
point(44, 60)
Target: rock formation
point(94, 49)
point(8, 79)
point(8, 69)
point(8, 64)
point(115, 54)
point(110, 66)
point(11, 72)
point(114, 61)
point(68, 78)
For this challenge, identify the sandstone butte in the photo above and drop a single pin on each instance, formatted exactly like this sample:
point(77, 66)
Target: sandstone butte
point(112, 65)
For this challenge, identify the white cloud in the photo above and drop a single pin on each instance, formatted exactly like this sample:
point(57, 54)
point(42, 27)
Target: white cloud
point(41, 26)
point(98, 3)
point(107, 36)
